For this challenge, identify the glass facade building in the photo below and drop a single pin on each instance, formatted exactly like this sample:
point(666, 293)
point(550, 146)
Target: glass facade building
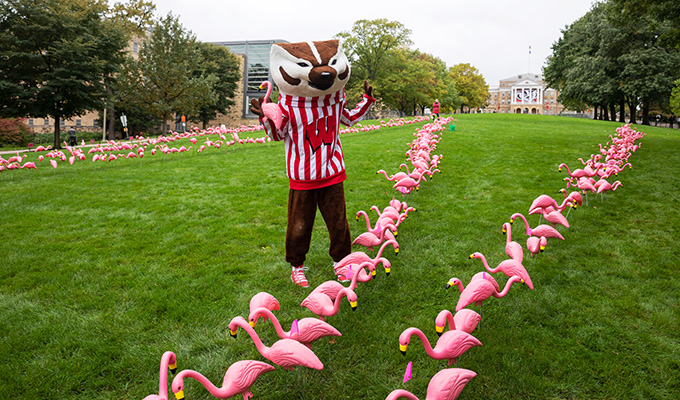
point(256, 53)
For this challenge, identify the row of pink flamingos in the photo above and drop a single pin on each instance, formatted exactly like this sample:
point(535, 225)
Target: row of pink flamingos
point(294, 347)
point(112, 151)
point(483, 285)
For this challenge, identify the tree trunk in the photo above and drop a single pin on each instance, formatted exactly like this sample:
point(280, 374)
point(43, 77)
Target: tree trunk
point(111, 130)
point(645, 113)
point(164, 129)
point(612, 107)
point(632, 109)
point(595, 116)
point(622, 107)
point(57, 133)
point(605, 112)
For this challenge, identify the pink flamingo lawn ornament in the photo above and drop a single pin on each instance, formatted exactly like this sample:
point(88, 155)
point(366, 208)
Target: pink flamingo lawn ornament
point(395, 177)
point(168, 361)
point(359, 257)
point(263, 299)
point(446, 384)
point(450, 346)
point(271, 110)
point(322, 306)
point(546, 231)
point(479, 290)
point(509, 267)
point(409, 183)
point(465, 320)
point(512, 249)
point(238, 379)
point(371, 240)
point(286, 353)
point(308, 329)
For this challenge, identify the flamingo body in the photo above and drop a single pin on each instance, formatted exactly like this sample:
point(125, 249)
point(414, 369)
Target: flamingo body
point(263, 299)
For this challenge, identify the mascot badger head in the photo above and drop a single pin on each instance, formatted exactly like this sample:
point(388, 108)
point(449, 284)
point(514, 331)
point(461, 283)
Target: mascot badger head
point(309, 69)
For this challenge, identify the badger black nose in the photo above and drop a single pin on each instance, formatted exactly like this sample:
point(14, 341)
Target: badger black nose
point(326, 76)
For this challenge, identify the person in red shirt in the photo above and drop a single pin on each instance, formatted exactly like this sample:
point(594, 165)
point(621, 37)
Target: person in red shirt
point(435, 109)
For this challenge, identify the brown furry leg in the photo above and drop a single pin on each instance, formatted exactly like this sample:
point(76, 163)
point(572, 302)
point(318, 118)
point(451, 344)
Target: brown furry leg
point(333, 210)
point(301, 213)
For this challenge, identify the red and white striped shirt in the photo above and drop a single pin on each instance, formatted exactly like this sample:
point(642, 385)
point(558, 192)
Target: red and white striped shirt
point(311, 132)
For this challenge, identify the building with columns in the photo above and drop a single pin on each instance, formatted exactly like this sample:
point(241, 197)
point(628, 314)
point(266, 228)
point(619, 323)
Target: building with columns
point(523, 94)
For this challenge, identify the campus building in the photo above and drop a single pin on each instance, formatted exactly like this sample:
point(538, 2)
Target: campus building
point(255, 70)
point(523, 94)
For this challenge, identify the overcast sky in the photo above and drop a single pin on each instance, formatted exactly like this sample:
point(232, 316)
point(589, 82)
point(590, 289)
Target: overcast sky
point(492, 35)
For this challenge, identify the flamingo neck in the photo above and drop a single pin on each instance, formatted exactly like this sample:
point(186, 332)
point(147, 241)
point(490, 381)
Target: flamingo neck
point(526, 223)
point(384, 245)
point(368, 222)
point(222, 393)
point(277, 325)
point(426, 343)
point(251, 332)
point(506, 289)
point(167, 359)
point(401, 394)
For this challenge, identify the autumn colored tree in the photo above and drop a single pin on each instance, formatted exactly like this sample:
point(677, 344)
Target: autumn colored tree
point(470, 84)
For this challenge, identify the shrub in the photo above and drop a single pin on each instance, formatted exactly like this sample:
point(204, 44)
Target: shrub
point(14, 132)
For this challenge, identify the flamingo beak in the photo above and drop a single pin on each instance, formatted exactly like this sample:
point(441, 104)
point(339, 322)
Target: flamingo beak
point(542, 248)
point(471, 256)
point(261, 87)
point(251, 323)
point(439, 329)
point(449, 284)
point(357, 217)
point(396, 233)
point(232, 333)
point(179, 395)
point(353, 304)
point(559, 170)
point(402, 348)
point(521, 281)
point(512, 221)
point(396, 251)
point(387, 271)
point(374, 273)
point(505, 231)
point(173, 367)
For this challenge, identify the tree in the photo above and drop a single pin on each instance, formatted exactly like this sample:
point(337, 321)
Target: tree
point(470, 84)
point(368, 46)
point(220, 63)
point(55, 56)
point(164, 81)
point(675, 99)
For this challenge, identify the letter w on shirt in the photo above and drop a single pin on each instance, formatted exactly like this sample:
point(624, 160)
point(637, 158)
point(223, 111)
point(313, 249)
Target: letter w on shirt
point(321, 131)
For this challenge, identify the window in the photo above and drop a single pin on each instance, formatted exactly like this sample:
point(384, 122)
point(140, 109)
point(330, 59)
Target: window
point(62, 122)
point(95, 123)
point(46, 122)
point(135, 47)
point(79, 122)
point(30, 122)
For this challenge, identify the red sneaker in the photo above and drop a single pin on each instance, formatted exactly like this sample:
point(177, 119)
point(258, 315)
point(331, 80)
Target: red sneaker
point(297, 275)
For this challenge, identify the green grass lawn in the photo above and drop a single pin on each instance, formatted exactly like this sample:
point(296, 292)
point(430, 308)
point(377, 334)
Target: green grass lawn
point(103, 267)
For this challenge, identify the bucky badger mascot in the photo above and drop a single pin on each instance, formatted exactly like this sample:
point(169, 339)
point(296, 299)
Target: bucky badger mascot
point(311, 77)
